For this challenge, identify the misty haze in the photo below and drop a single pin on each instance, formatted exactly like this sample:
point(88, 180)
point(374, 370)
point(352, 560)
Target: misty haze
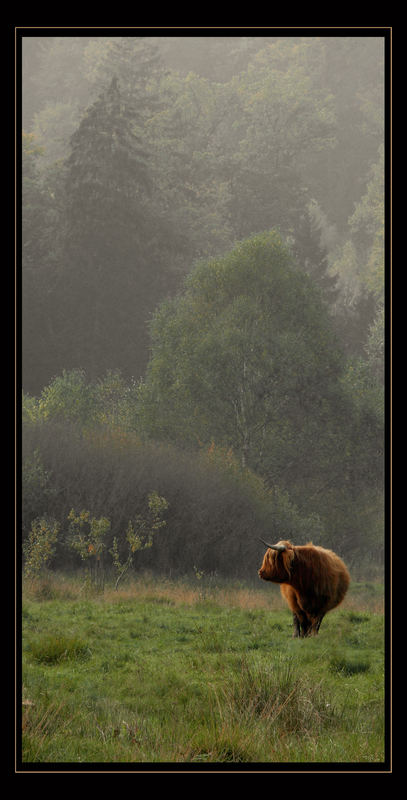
point(202, 307)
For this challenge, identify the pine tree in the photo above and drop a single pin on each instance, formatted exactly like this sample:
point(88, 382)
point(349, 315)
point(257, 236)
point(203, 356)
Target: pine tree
point(108, 283)
point(135, 61)
point(312, 256)
point(107, 175)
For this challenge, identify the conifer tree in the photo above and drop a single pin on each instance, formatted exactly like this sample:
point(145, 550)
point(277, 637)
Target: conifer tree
point(312, 256)
point(108, 283)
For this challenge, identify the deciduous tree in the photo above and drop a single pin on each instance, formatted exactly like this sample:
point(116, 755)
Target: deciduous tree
point(245, 357)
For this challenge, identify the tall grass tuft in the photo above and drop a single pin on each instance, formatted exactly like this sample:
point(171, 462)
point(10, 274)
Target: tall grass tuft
point(52, 649)
point(278, 696)
point(352, 665)
point(258, 709)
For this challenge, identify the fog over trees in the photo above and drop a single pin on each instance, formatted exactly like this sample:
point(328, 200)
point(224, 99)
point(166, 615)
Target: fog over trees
point(203, 291)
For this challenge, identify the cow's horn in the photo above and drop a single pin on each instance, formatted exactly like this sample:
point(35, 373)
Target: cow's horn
point(278, 547)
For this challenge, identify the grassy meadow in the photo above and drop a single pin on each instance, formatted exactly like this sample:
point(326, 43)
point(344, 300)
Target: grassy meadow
point(177, 671)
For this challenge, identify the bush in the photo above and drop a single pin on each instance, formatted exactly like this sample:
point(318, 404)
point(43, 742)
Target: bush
point(216, 510)
point(40, 546)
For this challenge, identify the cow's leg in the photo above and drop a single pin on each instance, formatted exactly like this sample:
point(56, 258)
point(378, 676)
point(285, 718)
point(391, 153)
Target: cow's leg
point(305, 626)
point(301, 622)
point(316, 615)
point(297, 626)
point(317, 624)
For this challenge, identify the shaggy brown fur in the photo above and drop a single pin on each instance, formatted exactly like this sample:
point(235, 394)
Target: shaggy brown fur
point(312, 580)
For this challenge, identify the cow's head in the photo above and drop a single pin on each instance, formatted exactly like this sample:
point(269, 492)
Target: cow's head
point(277, 562)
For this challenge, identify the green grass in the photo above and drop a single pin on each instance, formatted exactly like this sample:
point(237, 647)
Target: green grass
point(171, 672)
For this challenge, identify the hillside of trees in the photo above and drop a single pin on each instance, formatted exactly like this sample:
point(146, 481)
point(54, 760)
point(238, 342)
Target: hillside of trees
point(203, 292)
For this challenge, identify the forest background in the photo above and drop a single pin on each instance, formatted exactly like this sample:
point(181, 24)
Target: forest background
point(203, 298)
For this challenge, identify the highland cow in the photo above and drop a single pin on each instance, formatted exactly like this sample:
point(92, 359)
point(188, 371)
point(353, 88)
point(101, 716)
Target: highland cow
point(312, 580)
